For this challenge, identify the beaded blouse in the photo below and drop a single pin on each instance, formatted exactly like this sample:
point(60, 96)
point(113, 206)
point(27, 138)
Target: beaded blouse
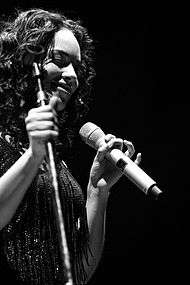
point(30, 240)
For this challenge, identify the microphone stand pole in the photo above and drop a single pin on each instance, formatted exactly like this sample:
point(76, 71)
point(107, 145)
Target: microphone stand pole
point(57, 209)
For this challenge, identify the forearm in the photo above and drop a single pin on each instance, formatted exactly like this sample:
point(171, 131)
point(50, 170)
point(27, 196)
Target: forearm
point(15, 182)
point(96, 215)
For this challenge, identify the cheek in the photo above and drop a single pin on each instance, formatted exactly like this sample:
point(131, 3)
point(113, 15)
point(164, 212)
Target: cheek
point(51, 71)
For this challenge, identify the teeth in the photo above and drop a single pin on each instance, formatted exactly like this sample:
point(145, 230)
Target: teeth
point(63, 89)
point(63, 86)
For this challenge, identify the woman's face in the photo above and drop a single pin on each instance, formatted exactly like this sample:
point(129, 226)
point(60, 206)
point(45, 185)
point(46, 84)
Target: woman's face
point(61, 79)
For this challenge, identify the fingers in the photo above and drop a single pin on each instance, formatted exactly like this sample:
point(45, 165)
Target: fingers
point(41, 113)
point(43, 136)
point(112, 141)
point(130, 148)
point(42, 123)
point(109, 142)
point(138, 158)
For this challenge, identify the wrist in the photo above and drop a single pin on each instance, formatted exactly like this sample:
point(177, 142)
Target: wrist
point(36, 157)
point(100, 193)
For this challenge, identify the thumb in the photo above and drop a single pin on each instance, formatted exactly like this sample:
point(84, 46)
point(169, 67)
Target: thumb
point(56, 103)
point(53, 102)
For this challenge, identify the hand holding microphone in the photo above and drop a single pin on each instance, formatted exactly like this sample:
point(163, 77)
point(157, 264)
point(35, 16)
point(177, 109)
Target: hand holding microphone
point(93, 135)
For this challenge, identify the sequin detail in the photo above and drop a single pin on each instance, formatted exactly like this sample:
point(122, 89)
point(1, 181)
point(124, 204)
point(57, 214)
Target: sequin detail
point(30, 240)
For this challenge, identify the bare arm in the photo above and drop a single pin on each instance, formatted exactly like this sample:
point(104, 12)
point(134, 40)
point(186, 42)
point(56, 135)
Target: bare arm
point(41, 126)
point(14, 183)
point(96, 214)
point(103, 176)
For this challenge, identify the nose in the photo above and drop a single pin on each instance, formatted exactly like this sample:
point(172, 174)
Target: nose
point(70, 77)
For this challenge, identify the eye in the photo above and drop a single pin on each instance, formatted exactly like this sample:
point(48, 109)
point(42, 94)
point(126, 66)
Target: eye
point(60, 58)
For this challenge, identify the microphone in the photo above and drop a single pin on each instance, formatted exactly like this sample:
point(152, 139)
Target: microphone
point(93, 135)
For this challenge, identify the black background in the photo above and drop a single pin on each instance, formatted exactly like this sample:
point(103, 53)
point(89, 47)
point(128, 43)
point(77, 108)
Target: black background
point(141, 93)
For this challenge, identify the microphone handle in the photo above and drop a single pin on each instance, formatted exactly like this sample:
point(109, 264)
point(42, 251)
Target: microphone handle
point(135, 174)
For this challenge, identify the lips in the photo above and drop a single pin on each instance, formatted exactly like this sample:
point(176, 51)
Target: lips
point(61, 91)
point(61, 87)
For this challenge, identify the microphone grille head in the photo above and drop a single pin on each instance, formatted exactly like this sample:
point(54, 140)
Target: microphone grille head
point(90, 134)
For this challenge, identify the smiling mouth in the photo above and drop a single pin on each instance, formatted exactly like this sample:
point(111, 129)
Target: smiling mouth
point(61, 87)
point(62, 94)
point(60, 90)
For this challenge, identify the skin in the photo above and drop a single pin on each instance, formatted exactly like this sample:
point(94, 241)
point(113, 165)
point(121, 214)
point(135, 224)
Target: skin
point(42, 125)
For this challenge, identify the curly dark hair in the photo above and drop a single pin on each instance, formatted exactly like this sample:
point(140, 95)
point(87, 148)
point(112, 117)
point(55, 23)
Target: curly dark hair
point(38, 27)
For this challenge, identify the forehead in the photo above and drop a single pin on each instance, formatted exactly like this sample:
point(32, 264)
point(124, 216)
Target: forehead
point(65, 40)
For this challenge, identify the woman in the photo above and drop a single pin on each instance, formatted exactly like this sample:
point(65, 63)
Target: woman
point(29, 236)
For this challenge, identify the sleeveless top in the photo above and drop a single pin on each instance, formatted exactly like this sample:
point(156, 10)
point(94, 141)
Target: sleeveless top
point(30, 241)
